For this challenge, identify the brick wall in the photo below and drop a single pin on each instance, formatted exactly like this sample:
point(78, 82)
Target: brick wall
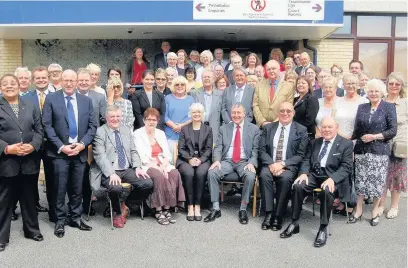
point(10, 55)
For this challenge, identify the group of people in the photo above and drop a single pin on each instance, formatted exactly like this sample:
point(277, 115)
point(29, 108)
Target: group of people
point(162, 135)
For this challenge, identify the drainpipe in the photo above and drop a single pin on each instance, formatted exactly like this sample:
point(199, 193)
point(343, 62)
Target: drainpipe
point(306, 45)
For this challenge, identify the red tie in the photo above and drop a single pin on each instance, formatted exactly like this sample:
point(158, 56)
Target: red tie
point(236, 153)
point(272, 91)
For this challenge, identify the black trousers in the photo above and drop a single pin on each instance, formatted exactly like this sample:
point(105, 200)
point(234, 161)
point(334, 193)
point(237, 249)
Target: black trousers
point(142, 187)
point(326, 198)
point(194, 179)
point(69, 175)
point(86, 189)
point(23, 188)
point(283, 188)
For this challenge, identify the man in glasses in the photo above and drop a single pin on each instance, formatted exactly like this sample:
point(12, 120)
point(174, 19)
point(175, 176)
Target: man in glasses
point(55, 77)
point(282, 147)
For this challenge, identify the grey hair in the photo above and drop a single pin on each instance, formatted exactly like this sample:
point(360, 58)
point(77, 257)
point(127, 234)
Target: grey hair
point(171, 55)
point(196, 107)
point(111, 108)
point(350, 77)
point(240, 69)
point(208, 54)
point(83, 71)
point(376, 84)
point(400, 78)
point(55, 65)
point(93, 68)
point(21, 70)
point(238, 105)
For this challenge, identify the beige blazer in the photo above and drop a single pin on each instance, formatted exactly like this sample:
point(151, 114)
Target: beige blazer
point(266, 109)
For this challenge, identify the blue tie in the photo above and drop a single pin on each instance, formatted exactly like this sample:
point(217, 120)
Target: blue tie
point(73, 131)
point(323, 152)
point(121, 152)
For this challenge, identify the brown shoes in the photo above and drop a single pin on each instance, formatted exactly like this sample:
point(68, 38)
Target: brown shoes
point(118, 221)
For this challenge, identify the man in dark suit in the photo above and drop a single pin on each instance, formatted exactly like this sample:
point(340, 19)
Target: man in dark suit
point(236, 150)
point(99, 107)
point(240, 93)
point(328, 162)
point(70, 126)
point(160, 60)
point(282, 147)
point(37, 97)
point(236, 62)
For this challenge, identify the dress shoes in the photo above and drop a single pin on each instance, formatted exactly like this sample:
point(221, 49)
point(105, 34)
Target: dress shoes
point(190, 218)
point(59, 230)
point(14, 215)
point(2, 247)
point(213, 215)
point(234, 190)
point(243, 217)
point(37, 238)
point(92, 211)
point(198, 218)
point(80, 225)
point(321, 238)
point(107, 212)
point(266, 224)
point(290, 230)
point(118, 221)
point(276, 224)
point(41, 208)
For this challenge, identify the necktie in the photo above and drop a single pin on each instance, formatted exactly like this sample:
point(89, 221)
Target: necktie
point(41, 100)
point(165, 58)
point(272, 91)
point(323, 152)
point(236, 153)
point(238, 95)
point(73, 131)
point(279, 148)
point(121, 152)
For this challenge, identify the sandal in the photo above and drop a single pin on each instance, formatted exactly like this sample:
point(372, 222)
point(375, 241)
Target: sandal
point(161, 219)
point(167, 214)
point(392, 213)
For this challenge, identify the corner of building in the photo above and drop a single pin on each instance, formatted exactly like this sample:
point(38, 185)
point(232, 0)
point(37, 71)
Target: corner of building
point(10, 55)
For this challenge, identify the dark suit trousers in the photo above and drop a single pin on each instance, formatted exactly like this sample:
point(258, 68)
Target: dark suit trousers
point(283, 188)
point(86, 189)
point(194, 179)
point(69, 174)
point(22, 188)
point(326, 198)
point(142, 187)
point(49, 183)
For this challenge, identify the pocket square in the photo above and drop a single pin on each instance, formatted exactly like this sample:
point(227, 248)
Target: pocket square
point(336, 154)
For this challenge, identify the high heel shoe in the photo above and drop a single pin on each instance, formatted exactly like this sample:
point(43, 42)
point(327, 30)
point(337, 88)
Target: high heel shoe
point(375, 221)
point(354, 219)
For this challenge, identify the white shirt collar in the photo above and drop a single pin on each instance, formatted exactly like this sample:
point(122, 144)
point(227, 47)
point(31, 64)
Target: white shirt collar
point(331, 141)
point(287, 127)
point(45, 92)
point(241, 125)
point(73, 96)
point(237, 88)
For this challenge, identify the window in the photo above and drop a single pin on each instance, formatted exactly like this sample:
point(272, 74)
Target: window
point(400, 58)
point(346, 29)
point(401, 27)
point(374, 56)
point(374, 26)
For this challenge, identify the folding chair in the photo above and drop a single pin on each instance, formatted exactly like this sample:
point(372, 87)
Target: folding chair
point(110, 205)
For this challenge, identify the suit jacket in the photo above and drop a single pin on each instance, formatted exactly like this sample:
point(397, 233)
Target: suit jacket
point(99, 106)
point(266, 109)
point(140, 103)
point(250, 139)
point(298, 70)
point(159, 61)
point(305, 113)
point(296, 147)
point(55, 121)
point(339, 164)
point(26, 128)
point(215, 114)
point(105, 154)
point(384, 121)
point(230, 76)
point(186, 145)
point(181, 71)
point(228, 99)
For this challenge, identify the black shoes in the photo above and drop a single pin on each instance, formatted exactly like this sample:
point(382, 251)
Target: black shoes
point(354, 219)
point(37, 238)
point(276, 224)
point(213, 215)
point(266, 224)
point(198, 218)
point(80, 225)
point(40, 208)
point(321, 238)
point(290, 230)
point(375, 221)
point(107, 212)
point(190, 218)
point(2, 247)
point(59, 230)
point(243, 217)
point(14, 215)
point(234, 190)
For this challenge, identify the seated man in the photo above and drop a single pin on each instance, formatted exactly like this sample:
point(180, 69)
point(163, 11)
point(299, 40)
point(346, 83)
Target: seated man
point(117, 162)
point(328, 162)
point(236, 150)
point(282, 147)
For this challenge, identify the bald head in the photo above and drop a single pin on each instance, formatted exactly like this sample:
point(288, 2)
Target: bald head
point(286, 113)
point(69, 81)
point(328, 128)
point(273, 70)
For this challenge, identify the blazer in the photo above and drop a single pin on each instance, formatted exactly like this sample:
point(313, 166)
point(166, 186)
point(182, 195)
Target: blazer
point(214, 118)
point(296, 148)
point(55, 122)
point(159, 61)
point(250, 139)
point(26, 128)
point(140, 103)
point(144, 148)
point(383, 121)
point(228, 99)
point(266, 109)
point(99, 106)
point(105, 154)
point(186, 145)
point(230, 76)
point(305, 113)
point(318, 93)
point(339, 164)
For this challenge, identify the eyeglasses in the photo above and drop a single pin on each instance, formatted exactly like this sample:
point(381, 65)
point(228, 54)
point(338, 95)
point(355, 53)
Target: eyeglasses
point(394, 84)
point(55, 72)
point(179, 85)
point(283, 111)
point(161, 79)
point(150, 120)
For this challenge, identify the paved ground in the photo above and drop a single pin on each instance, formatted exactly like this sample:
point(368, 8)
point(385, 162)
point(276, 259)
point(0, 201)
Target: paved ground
point(223, 243)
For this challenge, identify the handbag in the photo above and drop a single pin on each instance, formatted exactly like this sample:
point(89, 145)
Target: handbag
point(399, 149)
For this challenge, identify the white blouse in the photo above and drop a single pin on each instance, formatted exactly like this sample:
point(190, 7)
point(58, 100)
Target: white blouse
point(345, 115)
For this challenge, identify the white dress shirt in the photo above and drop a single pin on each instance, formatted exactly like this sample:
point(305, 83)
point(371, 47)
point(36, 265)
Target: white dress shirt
point(285, 140)
point(231, 148)
point(39, 93)
point(324, 159)
point(75, 107)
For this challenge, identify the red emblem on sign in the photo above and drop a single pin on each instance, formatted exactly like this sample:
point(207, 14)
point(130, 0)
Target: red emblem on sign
point(258, 5)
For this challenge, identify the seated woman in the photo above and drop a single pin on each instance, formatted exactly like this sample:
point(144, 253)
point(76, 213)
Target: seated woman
point(194, 159)
point(151, 145)
point(114, 92)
